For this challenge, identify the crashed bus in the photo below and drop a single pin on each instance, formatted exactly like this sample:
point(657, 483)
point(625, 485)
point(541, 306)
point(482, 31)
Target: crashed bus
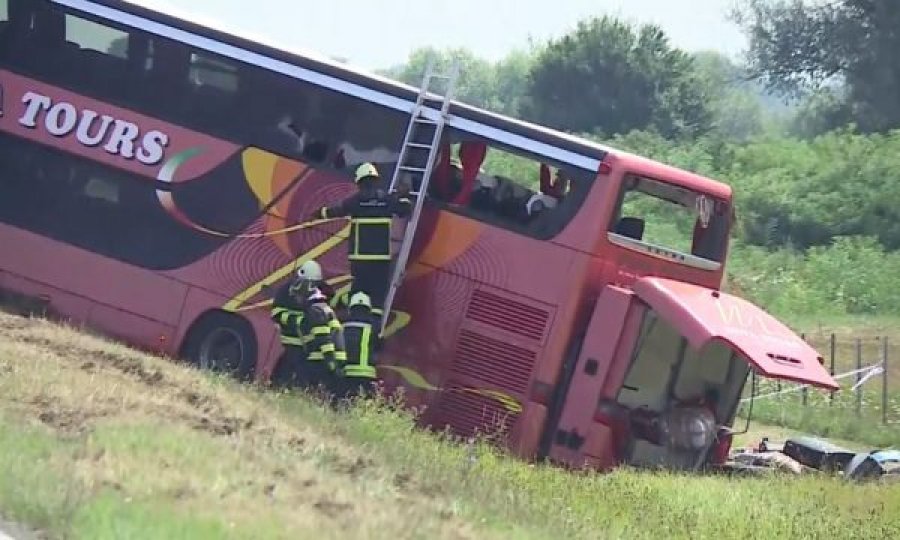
point(156, 176)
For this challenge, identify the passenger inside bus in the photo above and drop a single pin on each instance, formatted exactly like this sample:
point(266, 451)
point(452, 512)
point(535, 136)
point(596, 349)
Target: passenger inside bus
point(464, 184)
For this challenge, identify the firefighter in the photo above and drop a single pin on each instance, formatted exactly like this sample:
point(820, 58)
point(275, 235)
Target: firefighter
point(369, 247)
point(288, 314)
point(311, 271)
point(361, 338)
point(323, 336)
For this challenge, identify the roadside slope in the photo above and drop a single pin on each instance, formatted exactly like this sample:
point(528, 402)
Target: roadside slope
point(98, 441)
point(101, 441)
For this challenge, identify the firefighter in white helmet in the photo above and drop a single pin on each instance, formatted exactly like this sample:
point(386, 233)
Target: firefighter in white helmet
point(288, 313)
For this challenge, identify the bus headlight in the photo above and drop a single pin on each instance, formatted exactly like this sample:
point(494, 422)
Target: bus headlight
point(690, 428)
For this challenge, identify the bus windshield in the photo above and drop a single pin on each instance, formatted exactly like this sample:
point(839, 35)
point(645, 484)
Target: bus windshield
point(656, 214)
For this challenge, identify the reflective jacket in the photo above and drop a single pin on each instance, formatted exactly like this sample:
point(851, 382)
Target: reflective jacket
point(323, 335)
point(361, 338)
point(370, 211)
point(288, 313)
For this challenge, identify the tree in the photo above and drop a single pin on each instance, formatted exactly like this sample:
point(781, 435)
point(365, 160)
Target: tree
point(610, 77)
point(498, 87)
point(846, 47)
point(735, 103)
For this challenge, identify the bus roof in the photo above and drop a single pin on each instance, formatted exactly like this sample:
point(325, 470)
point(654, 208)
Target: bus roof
point(315, 68)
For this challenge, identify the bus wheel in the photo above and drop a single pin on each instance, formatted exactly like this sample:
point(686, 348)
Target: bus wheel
point(222, 343)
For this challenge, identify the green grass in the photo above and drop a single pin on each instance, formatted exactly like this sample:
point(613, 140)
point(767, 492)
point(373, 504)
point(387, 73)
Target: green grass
point(104, 442)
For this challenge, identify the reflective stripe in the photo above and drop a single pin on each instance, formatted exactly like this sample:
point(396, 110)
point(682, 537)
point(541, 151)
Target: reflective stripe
point(340, 356)
point(290, 340)
point(364, 347)
point(328, 347)
point(334, 324)
point(367, 372)
point(356, 324)
point(321, 331)
point(357, 257)
point(372, 221)
point(315, 356)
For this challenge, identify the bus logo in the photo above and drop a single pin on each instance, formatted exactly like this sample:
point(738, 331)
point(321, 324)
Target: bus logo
point(121, 137)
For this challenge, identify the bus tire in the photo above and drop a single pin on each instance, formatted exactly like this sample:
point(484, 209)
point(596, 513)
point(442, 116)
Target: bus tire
point(222, 343)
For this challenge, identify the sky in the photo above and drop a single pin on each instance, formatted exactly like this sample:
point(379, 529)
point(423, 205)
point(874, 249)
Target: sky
point(374, 34)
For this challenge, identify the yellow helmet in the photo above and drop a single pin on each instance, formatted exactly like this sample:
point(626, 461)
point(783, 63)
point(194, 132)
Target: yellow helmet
point(366, 170)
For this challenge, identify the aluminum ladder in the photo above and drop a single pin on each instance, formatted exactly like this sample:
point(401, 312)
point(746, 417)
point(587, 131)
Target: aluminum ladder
point(416, 161)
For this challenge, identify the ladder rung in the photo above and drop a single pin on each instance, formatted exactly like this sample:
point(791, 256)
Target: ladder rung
point(419, 145)
point(412, 169)
point(427, 121)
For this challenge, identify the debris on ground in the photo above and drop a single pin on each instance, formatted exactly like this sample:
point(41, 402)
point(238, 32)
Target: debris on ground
point(799, 455)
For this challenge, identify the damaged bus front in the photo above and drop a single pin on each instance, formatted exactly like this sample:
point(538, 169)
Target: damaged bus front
point(664, 363)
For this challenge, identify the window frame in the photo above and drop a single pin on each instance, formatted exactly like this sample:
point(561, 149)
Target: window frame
point(658, 251)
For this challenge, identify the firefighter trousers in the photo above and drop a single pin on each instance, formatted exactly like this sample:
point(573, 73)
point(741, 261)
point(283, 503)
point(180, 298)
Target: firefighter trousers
point(372, 278)
point(288, 370)
point(352, 387)
point(318, 376)
point(295, 370)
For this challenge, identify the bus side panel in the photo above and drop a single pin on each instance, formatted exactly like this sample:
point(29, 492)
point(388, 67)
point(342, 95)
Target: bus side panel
point(137, 331)
point(72, 308)
point(83, 273)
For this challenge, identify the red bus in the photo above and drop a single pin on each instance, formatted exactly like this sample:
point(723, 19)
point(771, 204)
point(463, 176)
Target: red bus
point(157, 174)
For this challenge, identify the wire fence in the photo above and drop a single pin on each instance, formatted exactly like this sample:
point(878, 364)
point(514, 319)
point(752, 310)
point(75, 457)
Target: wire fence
point(863, 366)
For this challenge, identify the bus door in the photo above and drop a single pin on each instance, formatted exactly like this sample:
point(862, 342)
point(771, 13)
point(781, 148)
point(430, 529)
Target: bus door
point(577, 440)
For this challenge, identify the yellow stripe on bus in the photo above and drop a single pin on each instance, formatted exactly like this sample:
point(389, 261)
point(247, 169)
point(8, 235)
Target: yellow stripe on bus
point(314, 253)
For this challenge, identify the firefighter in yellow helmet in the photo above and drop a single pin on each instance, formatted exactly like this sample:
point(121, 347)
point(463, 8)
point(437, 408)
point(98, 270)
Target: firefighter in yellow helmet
point(370, 210)
point(361, 340)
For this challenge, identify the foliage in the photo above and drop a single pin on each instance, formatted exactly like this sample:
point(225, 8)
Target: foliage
point(609, 77)
point(800, 45)
point(495, 86)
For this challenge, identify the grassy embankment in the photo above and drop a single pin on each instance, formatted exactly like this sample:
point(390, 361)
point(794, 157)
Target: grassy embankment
point(98, 441)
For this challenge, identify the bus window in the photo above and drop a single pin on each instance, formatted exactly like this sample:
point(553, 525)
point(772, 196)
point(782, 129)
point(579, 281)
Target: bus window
point(94, 207)
point(93, 57)
point(91, 36)
point(509, 188)
point(659, 214)
point(208, 71)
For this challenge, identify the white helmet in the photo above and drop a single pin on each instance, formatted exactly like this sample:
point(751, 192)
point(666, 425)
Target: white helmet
point(310, 270)
point(360, 299)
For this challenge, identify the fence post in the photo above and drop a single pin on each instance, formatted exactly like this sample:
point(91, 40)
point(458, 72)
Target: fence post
point(858, 376)
point(831, 394)
point(803, 392)
point(884, 380)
